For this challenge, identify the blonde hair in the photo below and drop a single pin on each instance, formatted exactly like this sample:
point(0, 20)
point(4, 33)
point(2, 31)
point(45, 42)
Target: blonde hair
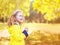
point(12, 19)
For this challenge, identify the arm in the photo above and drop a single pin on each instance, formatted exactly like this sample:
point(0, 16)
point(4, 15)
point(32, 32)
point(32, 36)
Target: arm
point(16, 32)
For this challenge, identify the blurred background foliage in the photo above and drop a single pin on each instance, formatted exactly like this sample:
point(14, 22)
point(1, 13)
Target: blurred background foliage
point(34, 10)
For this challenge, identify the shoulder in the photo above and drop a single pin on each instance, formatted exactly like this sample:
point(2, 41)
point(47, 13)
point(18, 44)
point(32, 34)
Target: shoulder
point(13, 27)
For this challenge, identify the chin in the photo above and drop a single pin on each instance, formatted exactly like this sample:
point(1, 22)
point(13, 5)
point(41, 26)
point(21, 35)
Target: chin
point(21, 21)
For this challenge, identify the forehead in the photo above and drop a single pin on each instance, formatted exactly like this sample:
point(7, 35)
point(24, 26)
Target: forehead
point(19, 13)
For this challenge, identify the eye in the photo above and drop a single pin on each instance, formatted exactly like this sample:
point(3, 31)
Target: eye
point(20, 16)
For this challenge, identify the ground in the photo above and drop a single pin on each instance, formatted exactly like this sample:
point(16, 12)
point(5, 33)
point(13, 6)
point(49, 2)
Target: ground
point(46, 29)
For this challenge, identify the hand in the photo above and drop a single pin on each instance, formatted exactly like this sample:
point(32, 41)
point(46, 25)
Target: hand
point(26, 29)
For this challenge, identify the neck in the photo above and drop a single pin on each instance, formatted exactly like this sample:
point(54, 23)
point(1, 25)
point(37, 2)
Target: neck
point(20, 23)
point(16, 23)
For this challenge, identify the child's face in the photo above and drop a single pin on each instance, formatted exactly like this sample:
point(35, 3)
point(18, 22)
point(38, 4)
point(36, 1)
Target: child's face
point(19, 17)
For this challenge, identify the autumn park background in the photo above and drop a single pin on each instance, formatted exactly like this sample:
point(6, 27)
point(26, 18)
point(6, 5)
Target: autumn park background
point(41, 16)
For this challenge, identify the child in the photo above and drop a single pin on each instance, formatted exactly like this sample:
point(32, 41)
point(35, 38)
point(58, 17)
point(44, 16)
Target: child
point(14, 27)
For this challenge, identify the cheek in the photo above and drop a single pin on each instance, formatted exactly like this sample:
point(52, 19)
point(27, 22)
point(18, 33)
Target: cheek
point(19, 18)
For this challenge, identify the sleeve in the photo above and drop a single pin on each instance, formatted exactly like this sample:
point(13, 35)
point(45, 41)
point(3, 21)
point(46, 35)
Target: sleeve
point(25, 33)
point(16, 32)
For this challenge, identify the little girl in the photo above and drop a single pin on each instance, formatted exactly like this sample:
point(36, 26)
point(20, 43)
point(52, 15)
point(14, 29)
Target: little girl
point(15, 23)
